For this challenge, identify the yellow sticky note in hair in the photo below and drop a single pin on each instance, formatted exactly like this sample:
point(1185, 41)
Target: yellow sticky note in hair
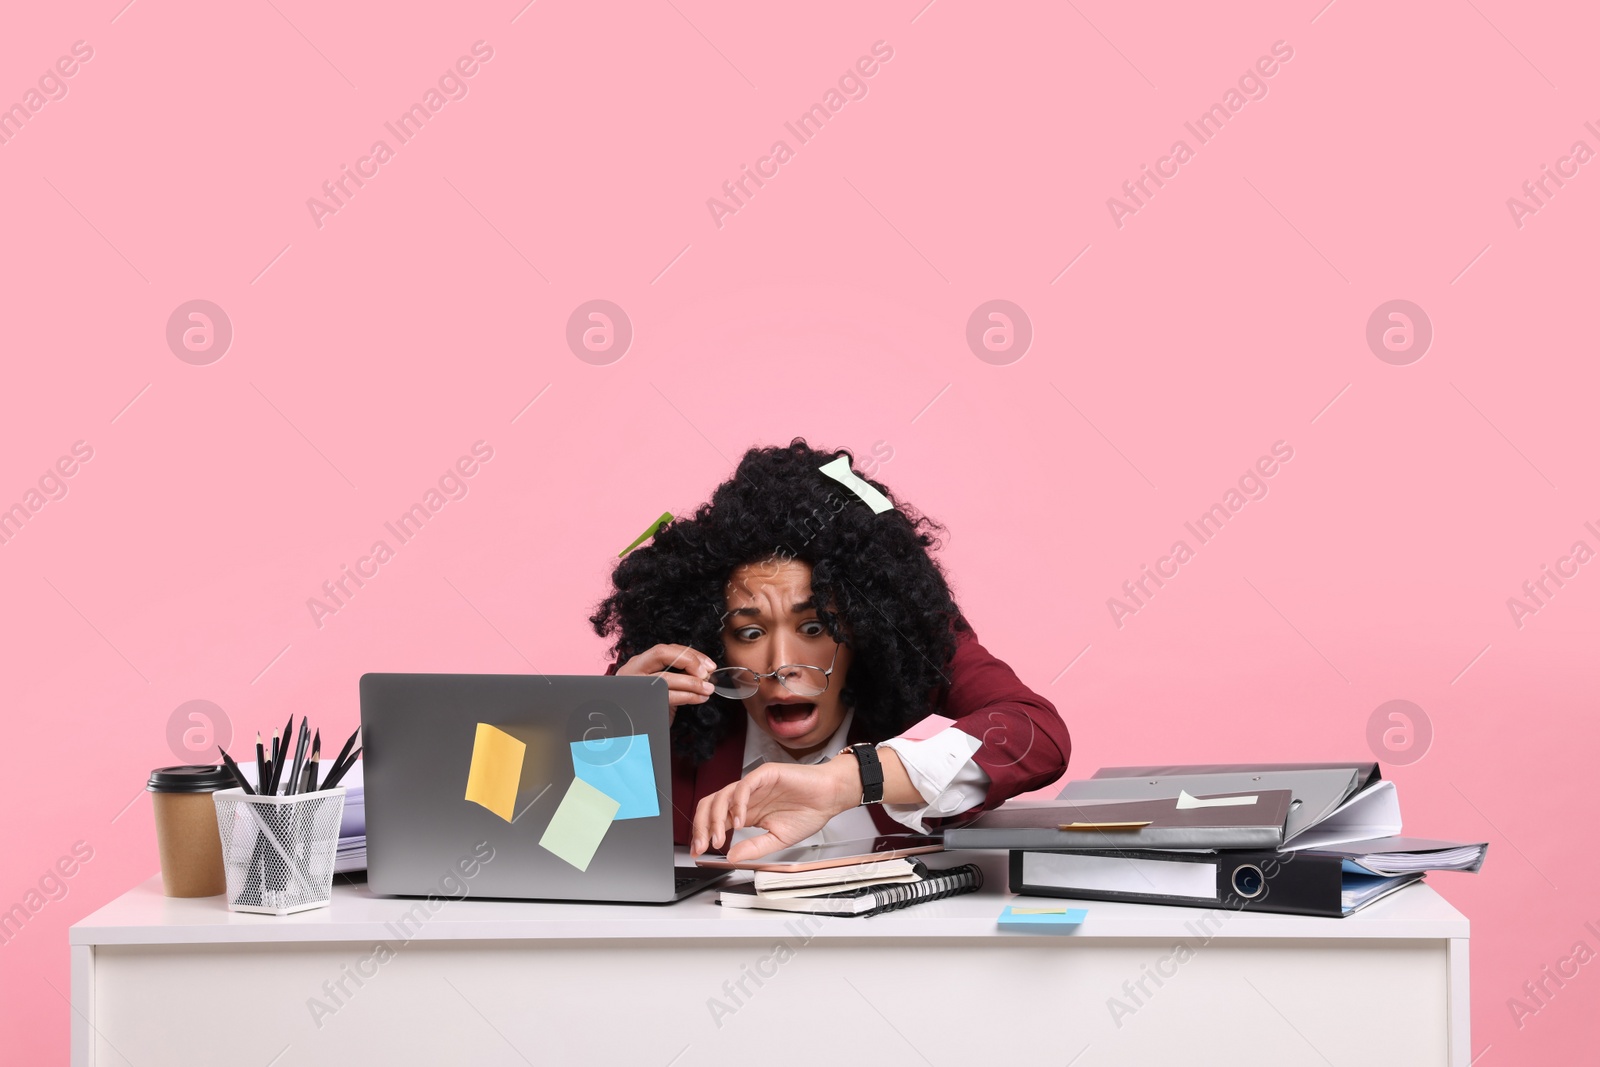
point(496, 770)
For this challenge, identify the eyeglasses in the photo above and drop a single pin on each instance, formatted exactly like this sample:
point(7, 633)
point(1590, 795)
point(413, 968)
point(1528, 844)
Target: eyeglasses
point(799, 679)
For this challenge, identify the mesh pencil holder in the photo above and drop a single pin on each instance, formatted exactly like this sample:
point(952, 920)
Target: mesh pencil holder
point(278, 851)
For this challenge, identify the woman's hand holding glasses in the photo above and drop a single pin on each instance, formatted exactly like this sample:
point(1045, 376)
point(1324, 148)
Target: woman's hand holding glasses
point(684, 669)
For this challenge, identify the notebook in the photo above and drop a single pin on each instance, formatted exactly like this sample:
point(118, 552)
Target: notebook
point(837, 879)
point(864, 900)
point(882, 871)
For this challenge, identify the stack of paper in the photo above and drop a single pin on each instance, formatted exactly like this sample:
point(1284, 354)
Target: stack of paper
point(352, 855)
point(1391, 856)
point(352, 824)
point(1359, 890)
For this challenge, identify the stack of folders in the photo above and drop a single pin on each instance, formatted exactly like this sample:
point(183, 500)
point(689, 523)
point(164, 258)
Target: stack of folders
point(860, 890)
point(1302, 838)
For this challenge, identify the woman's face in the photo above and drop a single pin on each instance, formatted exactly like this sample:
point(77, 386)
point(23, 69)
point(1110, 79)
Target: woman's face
point(771, 622)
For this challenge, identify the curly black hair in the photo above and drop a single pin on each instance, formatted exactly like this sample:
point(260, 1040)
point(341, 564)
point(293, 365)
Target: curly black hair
point(875, 585)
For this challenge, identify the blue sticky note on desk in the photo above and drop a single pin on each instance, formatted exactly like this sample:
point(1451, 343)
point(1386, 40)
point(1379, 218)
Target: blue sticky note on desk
point(1042, 915)
point(621, 768)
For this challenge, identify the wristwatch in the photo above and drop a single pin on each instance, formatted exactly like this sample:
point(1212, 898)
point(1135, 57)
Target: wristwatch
point(871, 771)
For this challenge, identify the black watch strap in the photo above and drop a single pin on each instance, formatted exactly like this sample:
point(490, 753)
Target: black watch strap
point(871, 772)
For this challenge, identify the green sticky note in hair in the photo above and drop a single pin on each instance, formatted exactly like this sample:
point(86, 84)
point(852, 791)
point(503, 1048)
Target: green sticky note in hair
point(666, 517)
point(839, 470)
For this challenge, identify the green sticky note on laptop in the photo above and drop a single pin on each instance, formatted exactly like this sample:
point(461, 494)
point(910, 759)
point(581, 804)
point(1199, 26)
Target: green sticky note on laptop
point(579, 824)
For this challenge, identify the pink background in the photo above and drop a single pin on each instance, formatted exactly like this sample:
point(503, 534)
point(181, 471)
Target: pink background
point(1224, 316)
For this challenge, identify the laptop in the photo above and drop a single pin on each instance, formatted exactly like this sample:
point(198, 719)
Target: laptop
point(529, 787)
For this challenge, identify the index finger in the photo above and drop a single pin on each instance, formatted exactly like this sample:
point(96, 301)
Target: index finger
point(700, 830)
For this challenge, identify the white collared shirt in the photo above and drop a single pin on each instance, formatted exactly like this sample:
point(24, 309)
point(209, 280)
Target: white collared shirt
point(941, 768)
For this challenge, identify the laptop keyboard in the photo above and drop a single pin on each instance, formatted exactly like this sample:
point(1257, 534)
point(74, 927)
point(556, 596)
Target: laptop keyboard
point(690, 879)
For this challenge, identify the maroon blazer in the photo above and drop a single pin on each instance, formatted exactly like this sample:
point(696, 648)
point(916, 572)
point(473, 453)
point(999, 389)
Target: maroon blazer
point(1025, 742)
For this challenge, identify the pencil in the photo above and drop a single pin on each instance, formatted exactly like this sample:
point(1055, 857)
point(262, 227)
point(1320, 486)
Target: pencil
point(280, 777)
point(340, 766)
point(339, 772)
point(272, 763)
point(283, 754)
point(300, 740)
point(261, 761)
point(309, 785)
point(345, 751)
point(233, 769)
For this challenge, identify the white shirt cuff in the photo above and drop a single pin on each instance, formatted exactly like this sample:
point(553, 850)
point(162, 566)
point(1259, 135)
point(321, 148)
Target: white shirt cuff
point(943, 771)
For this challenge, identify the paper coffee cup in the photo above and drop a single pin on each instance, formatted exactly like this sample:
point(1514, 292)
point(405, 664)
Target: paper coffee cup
point(186, 828)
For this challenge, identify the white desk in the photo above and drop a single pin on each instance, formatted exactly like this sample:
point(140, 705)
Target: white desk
point(159, 983)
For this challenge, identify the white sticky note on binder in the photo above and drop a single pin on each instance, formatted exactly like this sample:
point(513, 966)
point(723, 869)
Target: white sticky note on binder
point(839, 470)
point(1187, 801)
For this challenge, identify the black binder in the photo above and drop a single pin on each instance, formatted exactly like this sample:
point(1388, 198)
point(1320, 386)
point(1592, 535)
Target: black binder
point(1297, 883)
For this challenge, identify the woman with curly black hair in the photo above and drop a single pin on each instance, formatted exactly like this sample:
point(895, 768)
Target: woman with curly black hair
point(802, 627)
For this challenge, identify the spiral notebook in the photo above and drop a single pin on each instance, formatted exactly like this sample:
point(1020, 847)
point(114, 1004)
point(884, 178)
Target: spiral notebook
point(865, 900)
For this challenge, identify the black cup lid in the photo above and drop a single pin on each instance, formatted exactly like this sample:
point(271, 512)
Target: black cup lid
point(194, 778)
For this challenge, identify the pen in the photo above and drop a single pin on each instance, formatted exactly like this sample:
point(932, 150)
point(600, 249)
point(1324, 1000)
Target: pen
point(233, 769)
point(261, 762)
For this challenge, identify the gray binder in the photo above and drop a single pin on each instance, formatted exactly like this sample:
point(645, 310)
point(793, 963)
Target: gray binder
point(1318, 789)
point(1253, 819)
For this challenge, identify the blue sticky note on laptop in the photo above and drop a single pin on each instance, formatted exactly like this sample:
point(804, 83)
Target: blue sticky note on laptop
point(1042, 915)
point(621, 768)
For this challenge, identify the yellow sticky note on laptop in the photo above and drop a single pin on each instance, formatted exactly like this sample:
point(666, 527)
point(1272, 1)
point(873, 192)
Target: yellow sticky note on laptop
point(496, 770)
point(579, 824)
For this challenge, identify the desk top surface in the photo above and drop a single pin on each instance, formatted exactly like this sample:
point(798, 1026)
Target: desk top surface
point(144, 916)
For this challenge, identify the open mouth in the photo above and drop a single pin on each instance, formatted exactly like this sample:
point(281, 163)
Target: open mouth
point(791, 720)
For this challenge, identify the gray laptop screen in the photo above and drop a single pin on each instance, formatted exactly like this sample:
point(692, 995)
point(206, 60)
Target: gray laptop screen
point(552, 787)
